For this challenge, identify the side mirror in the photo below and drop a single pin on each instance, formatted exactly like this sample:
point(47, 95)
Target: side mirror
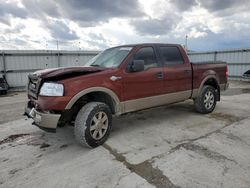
point(137, 66)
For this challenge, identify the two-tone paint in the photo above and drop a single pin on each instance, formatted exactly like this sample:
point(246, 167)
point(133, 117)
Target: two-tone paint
point(129, 91)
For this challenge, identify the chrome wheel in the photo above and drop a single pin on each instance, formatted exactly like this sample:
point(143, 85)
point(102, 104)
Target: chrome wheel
point(99, 125)
point(209, 100)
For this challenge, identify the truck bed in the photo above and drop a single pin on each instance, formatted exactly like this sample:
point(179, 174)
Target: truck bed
point(202, 69)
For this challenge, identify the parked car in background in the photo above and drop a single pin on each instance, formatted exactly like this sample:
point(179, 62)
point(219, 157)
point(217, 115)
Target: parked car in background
point(3, 85)
point(246, 75)
point(117, 81)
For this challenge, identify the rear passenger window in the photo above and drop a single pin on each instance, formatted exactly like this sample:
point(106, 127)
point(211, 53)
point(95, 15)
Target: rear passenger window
point(147, 54)
point(171, 55)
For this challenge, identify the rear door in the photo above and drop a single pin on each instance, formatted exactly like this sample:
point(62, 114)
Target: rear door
point(177, 72)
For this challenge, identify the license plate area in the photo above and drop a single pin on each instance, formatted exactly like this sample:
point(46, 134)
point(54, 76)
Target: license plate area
point(32, 113)
point(37, 118)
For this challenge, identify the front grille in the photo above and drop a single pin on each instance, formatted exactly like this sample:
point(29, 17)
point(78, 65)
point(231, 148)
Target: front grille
point(34, 85)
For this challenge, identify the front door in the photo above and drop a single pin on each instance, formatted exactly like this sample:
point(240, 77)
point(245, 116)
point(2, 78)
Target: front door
point(140, 88)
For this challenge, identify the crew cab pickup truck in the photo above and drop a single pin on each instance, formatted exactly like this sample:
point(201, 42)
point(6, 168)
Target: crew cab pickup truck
point(119, 80)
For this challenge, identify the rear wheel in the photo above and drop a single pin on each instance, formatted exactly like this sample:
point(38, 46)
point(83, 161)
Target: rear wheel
point(93, 124)
point(206, 101)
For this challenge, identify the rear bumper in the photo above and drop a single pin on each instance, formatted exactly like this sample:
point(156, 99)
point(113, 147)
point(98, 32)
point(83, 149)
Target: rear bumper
point(45, 121)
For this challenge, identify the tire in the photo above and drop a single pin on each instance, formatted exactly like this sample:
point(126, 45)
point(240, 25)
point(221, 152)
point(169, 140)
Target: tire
point(93, 124)
point(206, 101)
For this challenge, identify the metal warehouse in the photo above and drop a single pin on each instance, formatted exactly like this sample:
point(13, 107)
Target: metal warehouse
point(17, 64)
point(238, 60)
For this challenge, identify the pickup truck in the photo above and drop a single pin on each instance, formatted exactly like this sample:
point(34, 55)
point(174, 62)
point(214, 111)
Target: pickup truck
point(119, 80)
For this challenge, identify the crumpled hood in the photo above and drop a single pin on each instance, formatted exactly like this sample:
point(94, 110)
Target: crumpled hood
point(63, 71)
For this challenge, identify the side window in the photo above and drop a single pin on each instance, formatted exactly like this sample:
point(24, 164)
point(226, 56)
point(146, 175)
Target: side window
point(147, 54)
point(171, 55)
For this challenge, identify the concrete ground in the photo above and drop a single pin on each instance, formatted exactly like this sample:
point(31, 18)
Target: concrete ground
point(169, 146)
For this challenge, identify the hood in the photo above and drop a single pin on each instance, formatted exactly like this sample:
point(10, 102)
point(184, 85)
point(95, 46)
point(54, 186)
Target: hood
point(66, 72)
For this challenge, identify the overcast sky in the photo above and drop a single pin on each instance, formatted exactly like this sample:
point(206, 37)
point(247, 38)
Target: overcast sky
point(98, 24)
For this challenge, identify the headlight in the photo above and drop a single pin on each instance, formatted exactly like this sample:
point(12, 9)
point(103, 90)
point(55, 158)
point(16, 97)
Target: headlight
point(51, 89)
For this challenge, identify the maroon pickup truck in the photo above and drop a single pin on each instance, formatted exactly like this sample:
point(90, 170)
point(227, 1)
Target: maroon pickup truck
point(120, 80)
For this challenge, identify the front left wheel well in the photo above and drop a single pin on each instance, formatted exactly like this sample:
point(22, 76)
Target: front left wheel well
point(97, 96)
point(100, 96)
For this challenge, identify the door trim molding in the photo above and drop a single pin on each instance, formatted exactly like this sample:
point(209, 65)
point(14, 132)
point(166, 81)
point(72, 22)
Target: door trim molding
point(159, 100)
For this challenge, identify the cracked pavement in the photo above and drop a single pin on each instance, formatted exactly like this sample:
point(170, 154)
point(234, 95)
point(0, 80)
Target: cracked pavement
point(168, 146)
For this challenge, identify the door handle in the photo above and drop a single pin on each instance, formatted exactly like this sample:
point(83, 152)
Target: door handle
point(115, 78)
point(188, 71)
point(159, 75)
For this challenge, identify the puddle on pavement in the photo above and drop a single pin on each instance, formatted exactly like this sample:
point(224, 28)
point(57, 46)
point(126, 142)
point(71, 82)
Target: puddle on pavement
point(225, 117)
point(28, 139)
point(235, 91)
point(13, 138)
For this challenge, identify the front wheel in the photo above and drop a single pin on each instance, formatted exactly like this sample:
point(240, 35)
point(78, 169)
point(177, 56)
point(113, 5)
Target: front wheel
point(206, 101)
point(93, 124)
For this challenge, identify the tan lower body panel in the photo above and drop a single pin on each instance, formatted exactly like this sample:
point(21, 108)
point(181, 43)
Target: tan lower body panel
point(148, 102)
point(195, 93)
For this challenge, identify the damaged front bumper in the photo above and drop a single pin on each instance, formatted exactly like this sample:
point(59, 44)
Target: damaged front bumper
point(44, 121)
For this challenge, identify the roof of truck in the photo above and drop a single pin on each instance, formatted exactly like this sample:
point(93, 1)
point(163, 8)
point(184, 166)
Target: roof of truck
point(145, 44)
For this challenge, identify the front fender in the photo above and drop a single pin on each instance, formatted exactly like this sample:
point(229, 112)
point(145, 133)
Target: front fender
point(111, 93)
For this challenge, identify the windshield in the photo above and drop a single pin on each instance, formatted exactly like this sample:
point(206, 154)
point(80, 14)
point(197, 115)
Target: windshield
point(110, 58)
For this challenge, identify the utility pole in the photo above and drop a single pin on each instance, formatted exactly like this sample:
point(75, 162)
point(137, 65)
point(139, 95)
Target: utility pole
point(58, 55)
point(57, 45)
point(186, 43)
